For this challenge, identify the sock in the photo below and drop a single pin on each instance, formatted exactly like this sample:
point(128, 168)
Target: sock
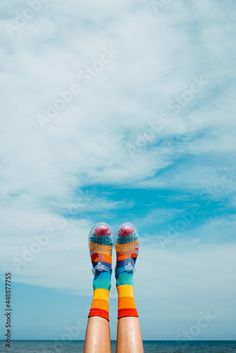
point(100, 302)
point(101, 257)
point(126, 251)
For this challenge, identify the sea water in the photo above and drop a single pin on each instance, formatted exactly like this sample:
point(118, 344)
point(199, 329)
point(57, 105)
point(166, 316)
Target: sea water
point(149, 347)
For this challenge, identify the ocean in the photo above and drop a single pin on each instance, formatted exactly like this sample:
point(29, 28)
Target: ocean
point(149, 347)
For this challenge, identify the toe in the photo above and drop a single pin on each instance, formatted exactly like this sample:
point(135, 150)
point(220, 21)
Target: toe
point(126, 229)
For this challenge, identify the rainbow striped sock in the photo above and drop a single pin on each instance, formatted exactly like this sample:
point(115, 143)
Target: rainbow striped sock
point(100, 245)
point(126, 251)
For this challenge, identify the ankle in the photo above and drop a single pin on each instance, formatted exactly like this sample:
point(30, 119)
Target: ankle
point(124, 278)
point(102, 279)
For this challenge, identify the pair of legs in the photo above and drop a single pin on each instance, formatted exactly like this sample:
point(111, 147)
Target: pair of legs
point(129, 339)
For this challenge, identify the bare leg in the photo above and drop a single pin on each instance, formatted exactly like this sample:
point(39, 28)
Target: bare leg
point(97, 336)
point(129, 338)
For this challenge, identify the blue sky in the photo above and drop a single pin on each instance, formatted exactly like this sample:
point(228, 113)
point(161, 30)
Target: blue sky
point(119, 112)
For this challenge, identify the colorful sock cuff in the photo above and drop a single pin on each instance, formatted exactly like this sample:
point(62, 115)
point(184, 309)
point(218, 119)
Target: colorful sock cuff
point(127, 313)
point(99, 313)
point(100, 303)
point(125, 288)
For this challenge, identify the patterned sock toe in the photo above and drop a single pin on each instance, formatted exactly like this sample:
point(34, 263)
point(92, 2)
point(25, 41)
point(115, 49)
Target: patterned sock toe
point(127, 247)
point(100, 245)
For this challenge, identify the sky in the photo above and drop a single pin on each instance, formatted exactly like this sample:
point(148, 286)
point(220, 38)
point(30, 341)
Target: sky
point(119, 112)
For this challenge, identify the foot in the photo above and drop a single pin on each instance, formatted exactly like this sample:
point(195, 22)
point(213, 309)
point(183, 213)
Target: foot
point(100, 245)
point(127, 247)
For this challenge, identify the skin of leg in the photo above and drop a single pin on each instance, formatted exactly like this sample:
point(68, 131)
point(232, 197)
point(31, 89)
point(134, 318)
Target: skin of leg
point(129, 337)
point(97, 338)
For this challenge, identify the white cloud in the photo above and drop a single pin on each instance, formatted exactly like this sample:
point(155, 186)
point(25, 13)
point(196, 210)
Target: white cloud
point(86, 142)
